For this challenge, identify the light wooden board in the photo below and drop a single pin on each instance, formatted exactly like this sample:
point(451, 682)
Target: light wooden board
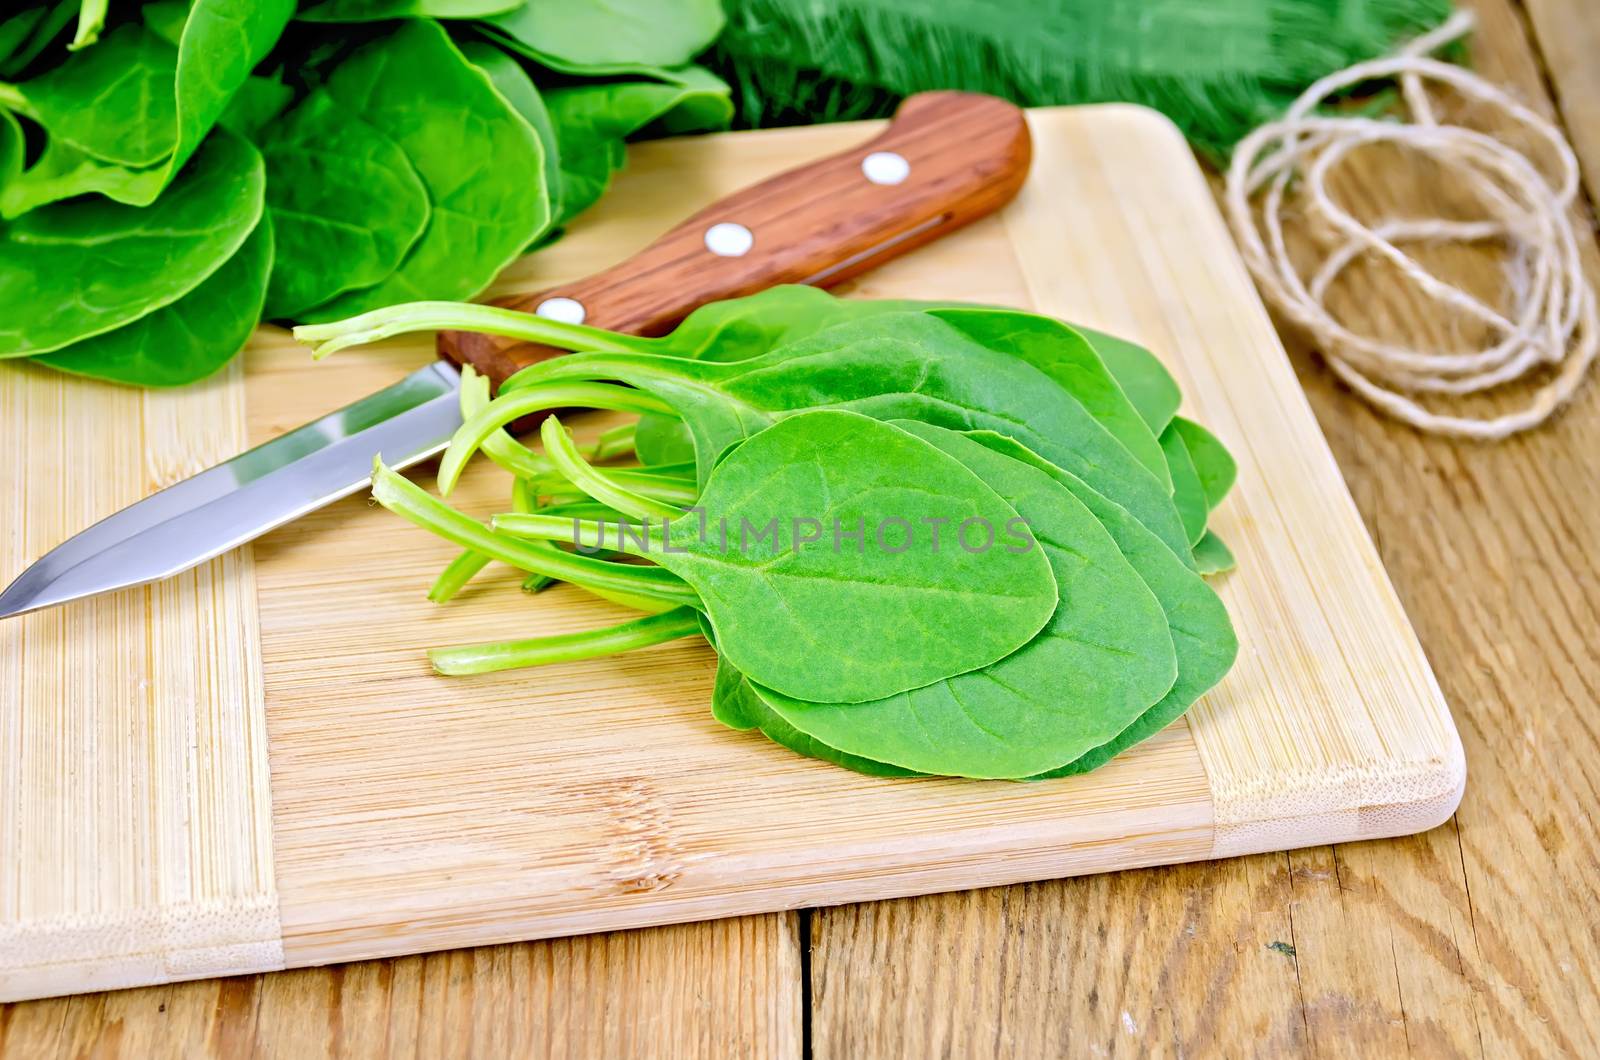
point(411, 812)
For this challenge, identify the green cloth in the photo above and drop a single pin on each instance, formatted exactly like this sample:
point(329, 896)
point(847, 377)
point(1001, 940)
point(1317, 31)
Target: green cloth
point(1218, 68)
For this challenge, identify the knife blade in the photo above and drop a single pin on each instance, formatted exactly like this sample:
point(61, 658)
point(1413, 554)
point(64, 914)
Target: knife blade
point(946, 159)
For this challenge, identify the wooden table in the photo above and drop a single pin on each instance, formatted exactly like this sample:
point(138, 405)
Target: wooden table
point(1481, 937)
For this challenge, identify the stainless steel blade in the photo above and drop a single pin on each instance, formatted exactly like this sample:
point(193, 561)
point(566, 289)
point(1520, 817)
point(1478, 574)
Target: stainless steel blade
point(240, 499)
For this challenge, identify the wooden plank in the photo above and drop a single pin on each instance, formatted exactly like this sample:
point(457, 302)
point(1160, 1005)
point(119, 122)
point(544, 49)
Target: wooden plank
point(1473, 939)
point(1567, 33)
point(730, 988)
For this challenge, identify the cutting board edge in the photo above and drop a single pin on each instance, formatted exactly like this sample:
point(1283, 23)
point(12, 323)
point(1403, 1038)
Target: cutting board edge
point(1433, 789)
point(140, 947)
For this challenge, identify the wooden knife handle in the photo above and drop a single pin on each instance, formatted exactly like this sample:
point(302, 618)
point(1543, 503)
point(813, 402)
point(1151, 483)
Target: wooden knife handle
point(946, 159)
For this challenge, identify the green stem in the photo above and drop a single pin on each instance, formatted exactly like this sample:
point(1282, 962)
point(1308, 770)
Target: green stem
point(558, 446)
point(584, 533)
point(517, 458)
point(662, 485)
point(584, 508)
point(596, 365)
point(466, 566)
point(462, 316)
point(618, 441)
point(567, 647)
point(510, 407)
point(499, 446)
point(91, 18)
point(456, 575)
point(648, 604)
point(409, 501)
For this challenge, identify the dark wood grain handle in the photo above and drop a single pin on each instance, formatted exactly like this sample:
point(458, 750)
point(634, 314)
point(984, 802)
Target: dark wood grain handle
point(946, 159)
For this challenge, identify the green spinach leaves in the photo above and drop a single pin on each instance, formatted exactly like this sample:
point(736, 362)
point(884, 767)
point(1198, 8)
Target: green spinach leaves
point(398, 150)
point(891, 661)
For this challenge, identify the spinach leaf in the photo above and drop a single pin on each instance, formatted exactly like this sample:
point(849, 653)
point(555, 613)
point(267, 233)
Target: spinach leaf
point(600, 37)
point(743, 327)
point(517, 89)
point(71, 271)
point(187, 340)
point(856, 620)
point(1212, 555)
point(42, 24)
point(903, 365)
point(1187, 495)
point(114, 102)
point(740, 328)
point(1202, 635)
point(734, 330)
point(258, 101)
point(345, 203)
point(1066, 356)
point(1104, 658)
point(130, 153)
point(1203, 639)
point(593, 121)
point(1213, 463)
point(735, 703)
point(480, 161)
point(165, 18)
point(377, 10)
point(1142, 376)
point(15, 30)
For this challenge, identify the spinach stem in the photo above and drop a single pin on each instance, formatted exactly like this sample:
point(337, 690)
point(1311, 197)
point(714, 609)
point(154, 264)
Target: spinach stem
point(648, 604)
point(567, 647)
point(406, 499)
point(499, 446)
point(466, 566)
point(559, 448)
point(409, 317)
point(456, 575)
point(618, 441)
point(506, 408)
point(643, 541)
point(664, 483)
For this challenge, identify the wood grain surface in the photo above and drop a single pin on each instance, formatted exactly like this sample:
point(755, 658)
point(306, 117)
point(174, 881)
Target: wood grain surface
point(1478, 938)
point(135, 821)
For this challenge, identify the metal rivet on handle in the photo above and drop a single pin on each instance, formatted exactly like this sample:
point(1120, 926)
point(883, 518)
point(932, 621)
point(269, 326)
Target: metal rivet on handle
point(729, 240)
point(566, 310)
point(885, 167)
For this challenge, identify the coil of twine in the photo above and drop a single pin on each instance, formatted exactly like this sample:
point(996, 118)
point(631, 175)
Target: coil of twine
point(1551, 318)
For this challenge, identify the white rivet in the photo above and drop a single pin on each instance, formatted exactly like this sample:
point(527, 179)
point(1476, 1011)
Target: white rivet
point(566, 310)
point(885, 167)
point(729, 240)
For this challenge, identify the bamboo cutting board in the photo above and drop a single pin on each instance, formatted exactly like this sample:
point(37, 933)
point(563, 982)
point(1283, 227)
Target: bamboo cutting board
point(251, 767)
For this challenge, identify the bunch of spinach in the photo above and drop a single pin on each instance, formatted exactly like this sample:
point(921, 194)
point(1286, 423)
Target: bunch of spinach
point(793, 401)
point(172, 172)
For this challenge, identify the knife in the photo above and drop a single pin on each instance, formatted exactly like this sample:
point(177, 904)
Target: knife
point(946, 159)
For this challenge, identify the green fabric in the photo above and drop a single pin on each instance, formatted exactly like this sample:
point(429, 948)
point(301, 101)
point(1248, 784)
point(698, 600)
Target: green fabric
point(1218, 68)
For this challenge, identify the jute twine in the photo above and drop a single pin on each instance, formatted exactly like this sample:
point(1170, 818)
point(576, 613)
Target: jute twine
point(1551, 320)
